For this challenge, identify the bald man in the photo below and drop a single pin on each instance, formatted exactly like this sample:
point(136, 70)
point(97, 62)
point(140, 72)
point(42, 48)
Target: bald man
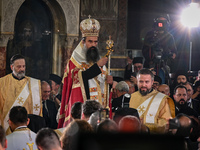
point(164, 88)
point(130, 124)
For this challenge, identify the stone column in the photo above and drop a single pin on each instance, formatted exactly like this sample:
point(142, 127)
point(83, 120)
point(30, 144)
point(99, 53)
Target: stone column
point(70, 40)
point(4, 37)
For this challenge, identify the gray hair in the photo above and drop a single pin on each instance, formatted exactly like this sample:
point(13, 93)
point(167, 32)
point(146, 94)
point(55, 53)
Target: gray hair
point(122, 86)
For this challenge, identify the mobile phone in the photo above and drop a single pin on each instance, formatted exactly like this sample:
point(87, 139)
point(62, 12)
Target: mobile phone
point(130, 54)
point(133, 74)
point(126, 100)
point(174, 123)
point(104, 114)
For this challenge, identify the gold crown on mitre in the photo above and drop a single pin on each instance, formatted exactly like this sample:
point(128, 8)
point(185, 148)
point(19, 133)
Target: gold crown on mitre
point(89, 27)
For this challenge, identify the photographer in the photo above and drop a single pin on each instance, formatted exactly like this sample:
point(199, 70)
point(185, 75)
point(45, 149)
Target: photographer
point(159, 45)
point(186, 127)
point(134, 65)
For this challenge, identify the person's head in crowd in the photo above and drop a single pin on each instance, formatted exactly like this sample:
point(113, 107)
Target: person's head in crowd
point(121, 88)
point(18, 66)
point(198, 77)
point(137, 63)
point(157, 82)
point(131, 86)
point(190, 90)
point(94, 120)
point(180, 96)
point(45, 90)
point(121, 112)
point(71, 133)
point(107, 126)
point(3, 141)
point(47, 139)
point(129, 124)
point(197, 86)
point(115, 82)
point(89, 107)
point(55, 82)
point(76, 110)
point(195, 134)
point(181, 77)
point(185, 125)
point(164, 88)
point(145, 79)
point(18, 117)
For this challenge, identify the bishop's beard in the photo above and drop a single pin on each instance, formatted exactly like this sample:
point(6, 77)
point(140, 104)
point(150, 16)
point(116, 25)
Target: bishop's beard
point(92, 55)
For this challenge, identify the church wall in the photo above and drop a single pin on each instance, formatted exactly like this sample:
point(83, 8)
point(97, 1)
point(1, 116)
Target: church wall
point(63, 39)
point(111, 14)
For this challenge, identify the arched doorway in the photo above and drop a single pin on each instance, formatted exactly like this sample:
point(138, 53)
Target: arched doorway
point(33, 38)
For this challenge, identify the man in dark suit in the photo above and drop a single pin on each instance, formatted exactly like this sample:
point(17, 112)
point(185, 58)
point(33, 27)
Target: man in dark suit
point(55, 83)
point(193, 103)
point(49, 107)
point(123, 97)
point(180, 99)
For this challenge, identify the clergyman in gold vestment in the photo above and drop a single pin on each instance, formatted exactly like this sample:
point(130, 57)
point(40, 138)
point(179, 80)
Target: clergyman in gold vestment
point(18, 89)
point(152, 106)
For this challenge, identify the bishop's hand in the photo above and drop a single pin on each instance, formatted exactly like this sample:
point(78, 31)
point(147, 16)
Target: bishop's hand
point(102, 61)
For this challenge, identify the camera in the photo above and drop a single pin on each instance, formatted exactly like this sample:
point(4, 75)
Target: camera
point(158, 52)
point(174, 123)
point(134, 74)
point(103, 114)
point(126, 100)
point(156, 47)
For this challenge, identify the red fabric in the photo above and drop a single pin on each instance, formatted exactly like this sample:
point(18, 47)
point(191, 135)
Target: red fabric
point(69, 95)
point(110, 105)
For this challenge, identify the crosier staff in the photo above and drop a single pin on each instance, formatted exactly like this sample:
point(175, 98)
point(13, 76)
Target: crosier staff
point(110, 49)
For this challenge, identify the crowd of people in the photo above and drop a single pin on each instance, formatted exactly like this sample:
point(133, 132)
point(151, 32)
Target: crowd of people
point(34, 115)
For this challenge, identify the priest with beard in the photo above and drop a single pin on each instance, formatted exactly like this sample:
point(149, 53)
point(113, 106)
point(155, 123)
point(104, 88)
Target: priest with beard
point(85, 75)
point(17, 89)
point(180, 98)
point(154, 108)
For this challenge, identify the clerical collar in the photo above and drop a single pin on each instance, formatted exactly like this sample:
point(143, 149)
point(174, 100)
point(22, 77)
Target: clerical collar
point(16, 77)
point(21, 128)
point(24, 128)
point(189, 101)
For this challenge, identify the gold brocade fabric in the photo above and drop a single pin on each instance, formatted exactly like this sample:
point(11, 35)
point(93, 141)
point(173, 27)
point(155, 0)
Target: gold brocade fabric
point(9, 90)
point(161, 116)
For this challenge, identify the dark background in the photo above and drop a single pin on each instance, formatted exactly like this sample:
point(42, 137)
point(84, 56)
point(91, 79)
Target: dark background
point(140, 20)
